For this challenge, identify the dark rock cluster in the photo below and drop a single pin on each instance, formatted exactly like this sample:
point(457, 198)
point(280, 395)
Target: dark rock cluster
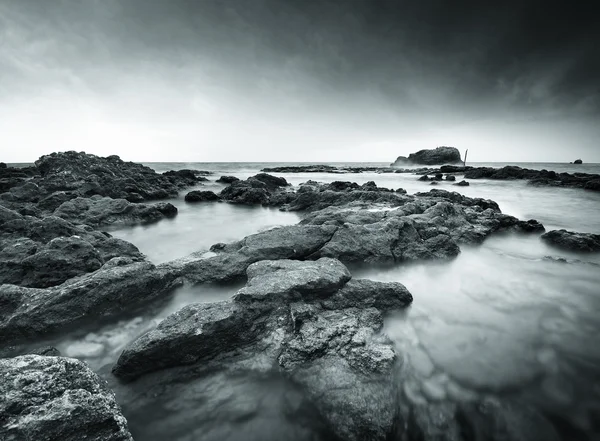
point(439, 155)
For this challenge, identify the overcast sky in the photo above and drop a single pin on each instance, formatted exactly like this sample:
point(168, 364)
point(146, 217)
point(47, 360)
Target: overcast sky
point(299, 80)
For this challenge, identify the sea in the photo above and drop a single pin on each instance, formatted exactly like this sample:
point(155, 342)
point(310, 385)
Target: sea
point(510, 318)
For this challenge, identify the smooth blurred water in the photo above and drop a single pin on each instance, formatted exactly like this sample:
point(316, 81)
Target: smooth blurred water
point(511, 317)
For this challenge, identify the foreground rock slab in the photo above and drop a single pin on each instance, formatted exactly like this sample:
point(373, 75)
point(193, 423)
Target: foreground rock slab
point(56, 398)
point(306, 319)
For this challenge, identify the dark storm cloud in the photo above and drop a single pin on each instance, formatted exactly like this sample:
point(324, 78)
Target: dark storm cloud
point(377, 72)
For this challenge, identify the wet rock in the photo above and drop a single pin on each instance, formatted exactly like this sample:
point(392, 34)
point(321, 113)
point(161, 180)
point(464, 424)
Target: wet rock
point(227, 179)
point(56, 398)
point(46, 252)
point(592, 184)
point(573, 241)
point(120, 285)
point(424, 178)
point(99, 211)
point(450, 178)
point(462, 183)
point(439, 155)
point(320, 330)
point(270, 181)
point(185, 177)
point(88, 175)
point(201, 196)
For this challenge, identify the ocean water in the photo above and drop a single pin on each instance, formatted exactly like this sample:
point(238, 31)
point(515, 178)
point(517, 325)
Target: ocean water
point(511, 317)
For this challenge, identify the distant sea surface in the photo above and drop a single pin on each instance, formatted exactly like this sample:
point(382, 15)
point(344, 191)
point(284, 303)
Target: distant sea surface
point(511, 317)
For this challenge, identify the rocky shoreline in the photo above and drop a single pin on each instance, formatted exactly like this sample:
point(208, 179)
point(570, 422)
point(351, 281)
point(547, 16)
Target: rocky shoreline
point(300, 313)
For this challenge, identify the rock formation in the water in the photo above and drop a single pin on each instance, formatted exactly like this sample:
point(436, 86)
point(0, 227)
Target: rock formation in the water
point(119, 286)
point(56, 398)
point(578, 161)
point(319, 327)
point(227, 179)
point(201, 196)
point(573, 241)
point(437, 156)
point(46, 252)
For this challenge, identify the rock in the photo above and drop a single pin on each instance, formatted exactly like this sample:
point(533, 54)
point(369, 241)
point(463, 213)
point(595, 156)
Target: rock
point(593, 184)
point(227, 179)
point(578, 161)
point(450, 178)
point(201, 196)
point(434, 183)
point(439, 155)
point(185, 177)
point(88, 175)
point(573, 241)
point(462, 183)
point(56, 398)
point(46, 252)
point(100, 211)
point(270, 181)
point(120, 285)
point(3, 165)
point(424, 178)
point(307, 318)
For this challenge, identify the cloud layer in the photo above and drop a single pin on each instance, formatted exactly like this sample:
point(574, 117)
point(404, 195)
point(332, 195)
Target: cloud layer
point(267, 80)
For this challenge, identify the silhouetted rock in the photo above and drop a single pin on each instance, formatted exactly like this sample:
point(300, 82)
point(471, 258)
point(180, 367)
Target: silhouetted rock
point(450, 178)
point(462, 183)
point(573, 241)
point(227, 179)
point(439, 155)
point(578, 161)
point(424, 178)
point(57, 398)
point(201, 196)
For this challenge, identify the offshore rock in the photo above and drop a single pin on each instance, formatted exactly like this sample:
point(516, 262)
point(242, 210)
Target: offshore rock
point(573, 241)
point(439, 155)
point(56, 398)
point(227, 179)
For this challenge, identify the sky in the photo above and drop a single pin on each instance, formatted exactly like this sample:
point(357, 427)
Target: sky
point(299, 80)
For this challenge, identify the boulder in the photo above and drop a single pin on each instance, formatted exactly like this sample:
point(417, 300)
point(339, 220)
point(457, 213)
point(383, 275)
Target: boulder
point(119, 286)
point(227, 179)
point(573, 241)
point(101, 211)
point(462, 183)
point(201, 196)
point(578, 161)
point(439, 155)
point(57, 398)
point(450, 178)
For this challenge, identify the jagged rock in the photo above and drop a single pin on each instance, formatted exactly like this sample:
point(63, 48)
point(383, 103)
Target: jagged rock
point(98, 211)
point(118, 286)
point(439, 155)
point(13, 176)
point(227, 179)
point(322, 331)
point(185, 177)
point(88, 175)
point(573, 241)
point(46, 252)
point(201, 196)
point(56, 398)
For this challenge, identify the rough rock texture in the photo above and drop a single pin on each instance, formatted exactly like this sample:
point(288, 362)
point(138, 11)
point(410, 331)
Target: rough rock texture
point(13, 176)
point(46, 252)
point(89, 174)
point(573, 241)
point(56, 398)
point(201, 196)
point(227, 179)
point(257, 189)
point(439, 155)
point(101, 211)
point(322, 333)
point(118, 287)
